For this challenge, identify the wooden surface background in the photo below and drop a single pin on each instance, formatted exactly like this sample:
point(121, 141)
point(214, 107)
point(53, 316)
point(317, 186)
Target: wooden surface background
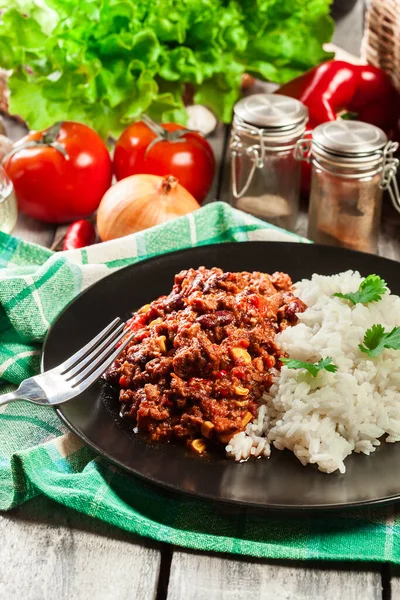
point(49, 552)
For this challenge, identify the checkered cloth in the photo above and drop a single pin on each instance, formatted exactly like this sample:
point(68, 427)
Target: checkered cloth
point(38, 456)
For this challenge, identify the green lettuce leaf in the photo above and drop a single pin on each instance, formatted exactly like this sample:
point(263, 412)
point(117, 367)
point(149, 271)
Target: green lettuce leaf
point(105, 62)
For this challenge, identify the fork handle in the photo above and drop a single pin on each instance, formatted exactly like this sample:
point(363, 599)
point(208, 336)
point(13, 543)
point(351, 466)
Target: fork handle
point(6, 398)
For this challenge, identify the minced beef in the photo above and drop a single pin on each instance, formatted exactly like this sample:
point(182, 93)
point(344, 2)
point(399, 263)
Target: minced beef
point(203, 355)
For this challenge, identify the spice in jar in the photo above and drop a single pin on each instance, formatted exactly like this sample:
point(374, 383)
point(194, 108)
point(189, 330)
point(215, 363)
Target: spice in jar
point(265, 173)
point(352, 162)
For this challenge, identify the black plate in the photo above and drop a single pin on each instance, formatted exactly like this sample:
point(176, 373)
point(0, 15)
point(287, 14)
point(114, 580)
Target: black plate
point(280, 482)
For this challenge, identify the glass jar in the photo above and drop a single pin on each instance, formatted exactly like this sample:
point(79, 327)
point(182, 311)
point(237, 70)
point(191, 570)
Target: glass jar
point(265, 174)
point(8, 203)
point(352, 162)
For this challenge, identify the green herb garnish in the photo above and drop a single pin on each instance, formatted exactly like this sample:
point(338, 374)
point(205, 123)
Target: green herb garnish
point(376, 339)
point(370, 290)
point(313, 368)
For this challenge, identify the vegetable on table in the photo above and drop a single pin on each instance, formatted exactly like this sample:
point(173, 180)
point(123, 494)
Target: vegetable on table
point(201, 119)
point(79, 235)
point(166, 149)
point(371, 290)
point(60, 174)
point(139, 202)
point(335, 87)
point(312, 368)
point(105, 62)
point(376, 339)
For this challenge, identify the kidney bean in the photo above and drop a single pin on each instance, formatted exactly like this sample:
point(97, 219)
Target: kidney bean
point(219, 318)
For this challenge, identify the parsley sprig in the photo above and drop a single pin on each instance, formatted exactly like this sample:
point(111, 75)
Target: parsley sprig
point(376, 339)
point(313, 368)
point(370, 290)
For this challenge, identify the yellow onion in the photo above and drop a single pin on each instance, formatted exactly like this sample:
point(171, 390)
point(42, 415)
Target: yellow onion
point(139, 202)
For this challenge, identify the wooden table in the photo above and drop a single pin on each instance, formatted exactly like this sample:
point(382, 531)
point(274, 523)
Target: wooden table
point(48, 551)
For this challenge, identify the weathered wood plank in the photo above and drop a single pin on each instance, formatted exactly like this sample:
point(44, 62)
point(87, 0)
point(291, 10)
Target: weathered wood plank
point(48, 551)
point(395, 583)
point(217, 143)
point(35, 231)
point(196, 576)
point(349, 29)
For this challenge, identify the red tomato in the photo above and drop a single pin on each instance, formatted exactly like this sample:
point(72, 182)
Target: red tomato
point(56, 188)
point(189, 158)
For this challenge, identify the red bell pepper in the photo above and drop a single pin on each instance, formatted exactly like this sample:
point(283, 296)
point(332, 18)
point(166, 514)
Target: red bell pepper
point(335, 88)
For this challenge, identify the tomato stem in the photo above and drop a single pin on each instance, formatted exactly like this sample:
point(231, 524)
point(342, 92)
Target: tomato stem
point(49, 138)
point(163, 135)
point(51, 134)
point(155, 128)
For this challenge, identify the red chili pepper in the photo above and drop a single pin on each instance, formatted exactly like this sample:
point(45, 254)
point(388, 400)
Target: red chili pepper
point(335, 87)
point(123, 381)
point(79, 234)
point(136, 322)
point(255, 301)
point(220, 374)
point(238, 372)
point(139, 337)
point(244, 343)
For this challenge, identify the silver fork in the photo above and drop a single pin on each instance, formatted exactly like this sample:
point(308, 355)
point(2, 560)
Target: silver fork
point(75, 374)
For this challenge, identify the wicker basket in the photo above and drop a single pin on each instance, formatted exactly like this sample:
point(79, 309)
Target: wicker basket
point(381, 42)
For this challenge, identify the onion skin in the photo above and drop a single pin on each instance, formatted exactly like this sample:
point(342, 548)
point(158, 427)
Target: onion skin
point(139, 202)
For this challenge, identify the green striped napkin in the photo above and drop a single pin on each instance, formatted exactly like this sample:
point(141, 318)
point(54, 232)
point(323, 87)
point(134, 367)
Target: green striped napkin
point(38, 456)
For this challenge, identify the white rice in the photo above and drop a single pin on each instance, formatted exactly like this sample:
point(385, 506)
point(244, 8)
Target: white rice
point(326, 418)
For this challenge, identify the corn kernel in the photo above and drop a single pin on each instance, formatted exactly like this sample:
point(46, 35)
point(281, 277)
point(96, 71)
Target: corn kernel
point(247, 418)
point(198, 445)
point(240, 391)
point(144, 308)
point(241, 353)
point(206, 428)
point(161, 342)
point(155, 322)
point(241, 403)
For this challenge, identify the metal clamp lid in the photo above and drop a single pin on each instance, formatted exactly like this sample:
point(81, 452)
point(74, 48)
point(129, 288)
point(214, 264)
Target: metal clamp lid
point(271, 111)
point(389, 169)
point(256, 153)
point(302, 150)
point(354, 139)
point(257, 150)
point(263, 119)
